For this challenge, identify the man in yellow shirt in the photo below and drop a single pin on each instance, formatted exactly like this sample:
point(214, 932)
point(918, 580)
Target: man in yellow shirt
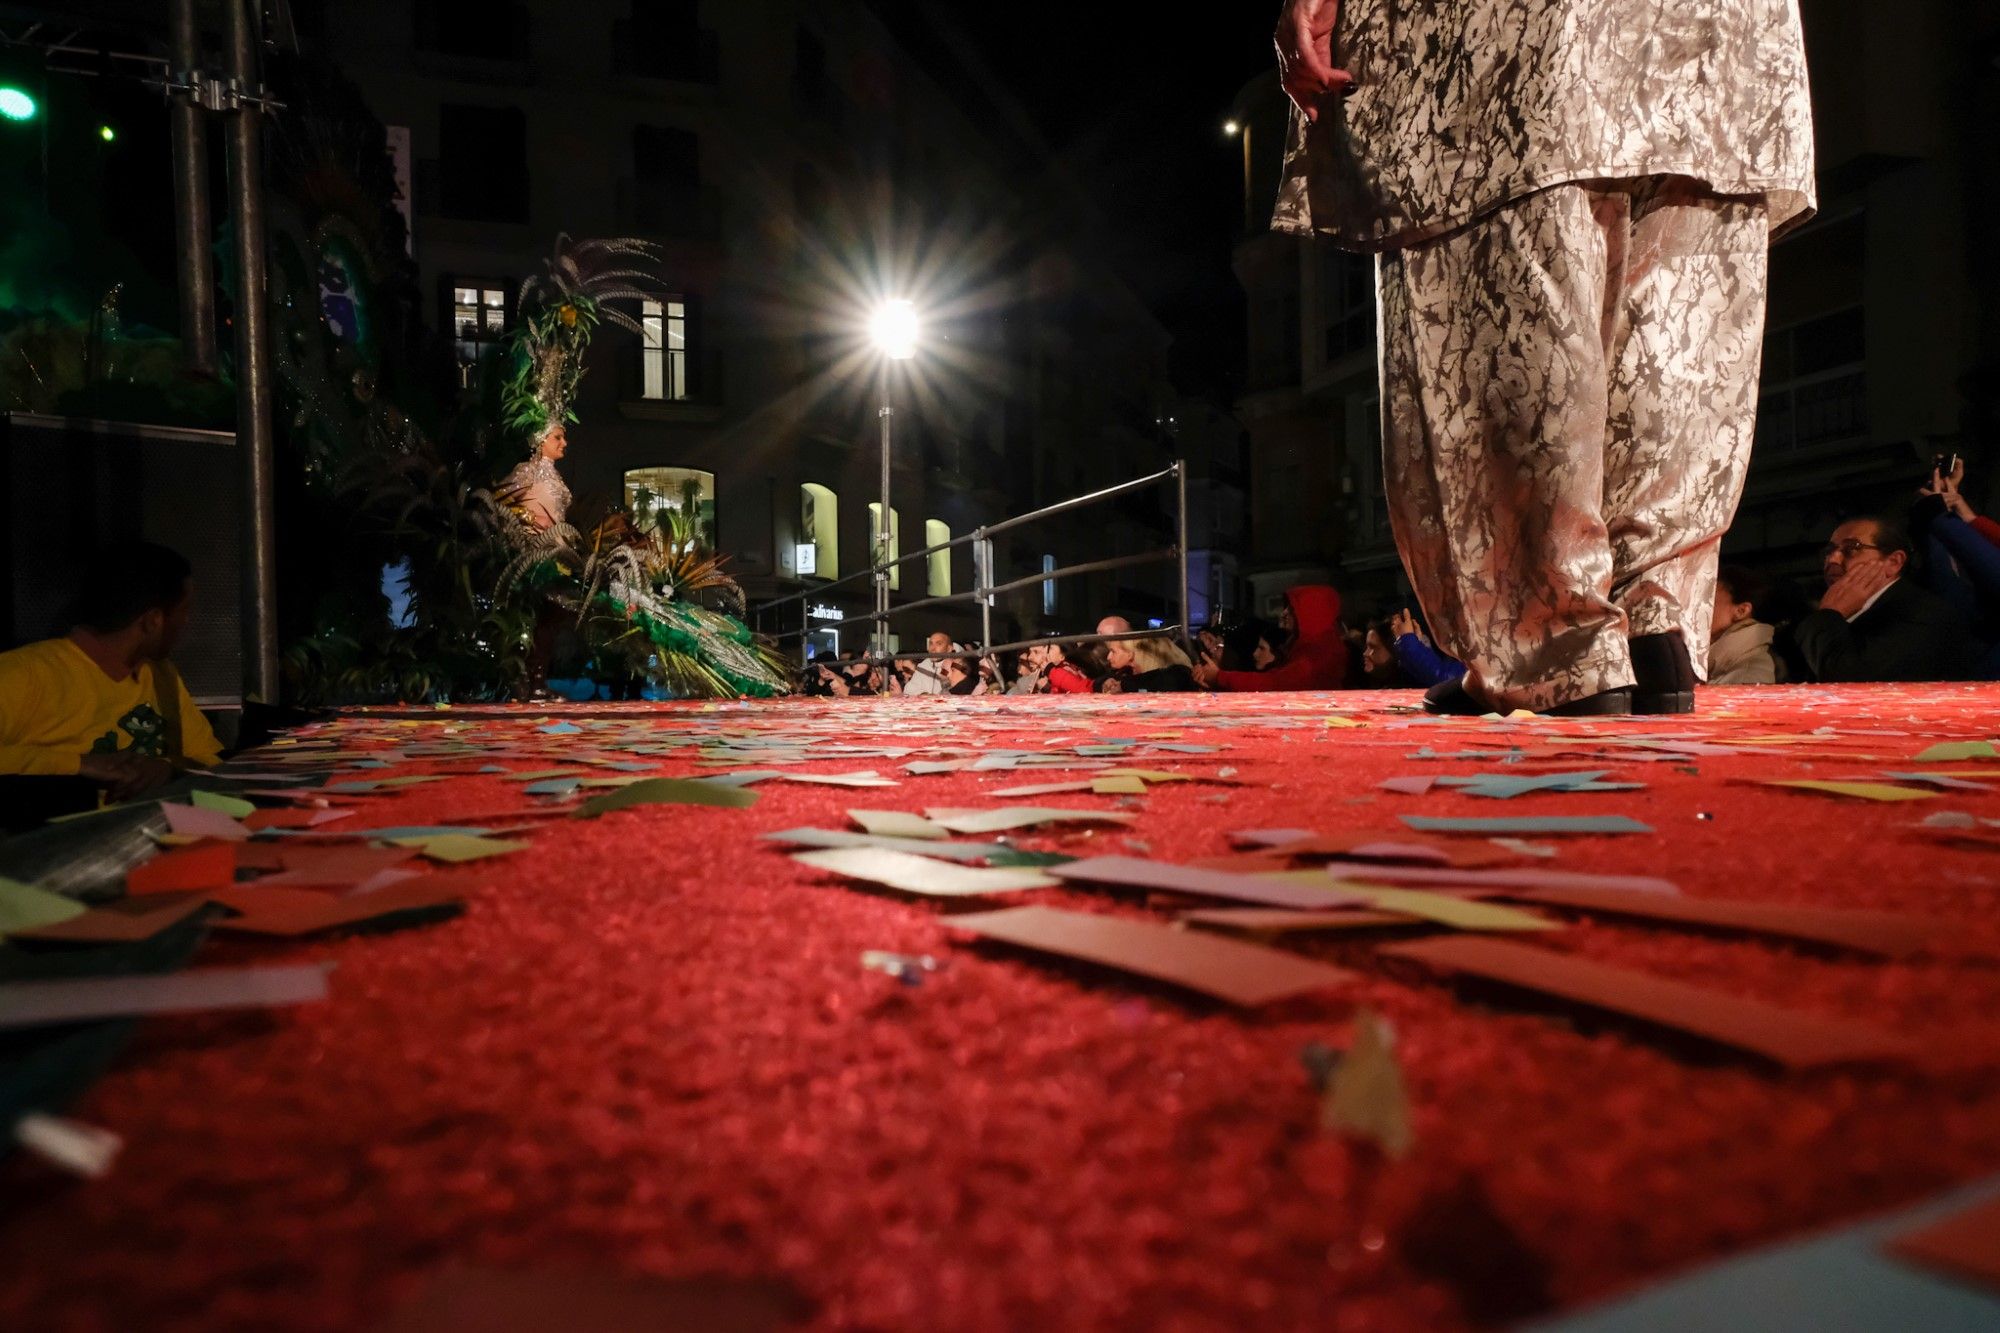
point(103, 702)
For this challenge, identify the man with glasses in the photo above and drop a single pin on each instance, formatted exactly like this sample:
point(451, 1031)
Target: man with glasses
point(1873, 623)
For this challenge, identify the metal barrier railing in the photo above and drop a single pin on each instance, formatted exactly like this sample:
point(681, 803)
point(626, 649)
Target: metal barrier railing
point(985, 590)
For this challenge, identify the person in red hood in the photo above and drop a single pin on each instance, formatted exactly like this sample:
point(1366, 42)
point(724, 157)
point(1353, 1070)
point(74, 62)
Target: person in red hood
point(1315, 657)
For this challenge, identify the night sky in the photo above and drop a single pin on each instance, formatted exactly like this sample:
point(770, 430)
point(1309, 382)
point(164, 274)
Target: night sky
point(1133, 101)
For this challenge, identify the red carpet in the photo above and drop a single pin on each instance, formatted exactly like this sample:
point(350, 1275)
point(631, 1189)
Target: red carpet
point(649, 1046)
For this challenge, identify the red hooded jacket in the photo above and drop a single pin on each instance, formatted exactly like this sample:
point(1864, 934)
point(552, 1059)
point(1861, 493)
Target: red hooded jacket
point(1317, 656)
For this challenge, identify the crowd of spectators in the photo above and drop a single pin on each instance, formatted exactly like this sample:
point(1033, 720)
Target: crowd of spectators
point(1906, 598)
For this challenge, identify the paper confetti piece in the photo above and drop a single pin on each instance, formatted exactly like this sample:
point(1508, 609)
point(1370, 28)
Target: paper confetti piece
point(665, 791)
point(922, 874)
point(209, 866)
point(1286, 921)
point(941, 849)
point(1867, 791)
point(1966, 1244)
point(1365, 1098)
point(1531, 824)
point(1888, 934)
point(868, 778)
point(1232, 970)
point(193, 821)
point(1458, 913)
point(458, 847)
point(78, 999)
point(1951, 750)
point(1117, 786)
point(124, 921)
point(1266, 890)
point(228, 805)
point(1789, 1038)
point(26, 906)
point(896, 824)
point(80, 1149)
point(294, 912)
point(1019, 816)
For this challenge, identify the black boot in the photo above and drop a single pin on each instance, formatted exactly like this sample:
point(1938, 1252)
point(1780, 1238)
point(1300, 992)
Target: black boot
point(1452, 698)
point(1664, 672)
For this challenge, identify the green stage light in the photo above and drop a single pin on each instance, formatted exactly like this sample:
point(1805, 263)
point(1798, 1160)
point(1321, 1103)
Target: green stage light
point(106, 133)
point(16, 104)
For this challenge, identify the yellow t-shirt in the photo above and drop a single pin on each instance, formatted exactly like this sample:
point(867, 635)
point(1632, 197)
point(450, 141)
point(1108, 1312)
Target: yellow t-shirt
point(57, 705)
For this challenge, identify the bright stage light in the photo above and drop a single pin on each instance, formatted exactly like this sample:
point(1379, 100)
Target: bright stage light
point(16, 105)
point(893, 329)
point(106, 133)
point(1230, 127)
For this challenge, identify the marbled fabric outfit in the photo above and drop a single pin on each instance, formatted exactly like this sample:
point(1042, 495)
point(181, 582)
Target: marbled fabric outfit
point(1571, 201)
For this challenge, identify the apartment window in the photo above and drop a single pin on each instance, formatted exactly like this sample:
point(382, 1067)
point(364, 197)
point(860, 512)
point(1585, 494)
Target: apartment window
point(1048, 586)
point(666, 177)
point(663, 39)
point(478, 316)
point(935, 532)
point(653, 493)
point(895, 540)
point(1814, 384)
point(819, 527)
point(472, 29)
point(482, 165)
point(663, 350)
point(1347, 301)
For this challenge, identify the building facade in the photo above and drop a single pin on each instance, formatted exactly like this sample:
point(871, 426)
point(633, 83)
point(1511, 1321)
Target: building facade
point(795, 164)
point(1881, 341)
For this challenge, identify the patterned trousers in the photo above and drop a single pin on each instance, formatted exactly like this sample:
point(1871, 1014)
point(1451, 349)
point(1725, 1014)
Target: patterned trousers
point(1569, 390)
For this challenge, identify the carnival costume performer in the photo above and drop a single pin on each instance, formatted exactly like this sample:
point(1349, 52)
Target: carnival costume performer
point(1571, 203)
point(630, 590)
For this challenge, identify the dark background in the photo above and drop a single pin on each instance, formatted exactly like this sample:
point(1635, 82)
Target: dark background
point(1132, 100)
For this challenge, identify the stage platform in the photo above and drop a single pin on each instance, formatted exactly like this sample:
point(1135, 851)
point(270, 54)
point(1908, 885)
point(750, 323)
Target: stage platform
point(649, 1045)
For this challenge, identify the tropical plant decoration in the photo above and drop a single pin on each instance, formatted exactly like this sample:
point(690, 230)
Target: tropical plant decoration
point(637, 596)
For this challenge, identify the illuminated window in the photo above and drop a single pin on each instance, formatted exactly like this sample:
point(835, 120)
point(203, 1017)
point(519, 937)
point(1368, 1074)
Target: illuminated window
point(1048, 586)
point(819, 527)
point(478, 316)
point(935, 532)
point(895, 540)
point(652, 492)
point(663, 350)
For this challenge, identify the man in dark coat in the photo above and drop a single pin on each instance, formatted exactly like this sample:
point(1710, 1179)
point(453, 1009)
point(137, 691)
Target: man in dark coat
point(1874, 623)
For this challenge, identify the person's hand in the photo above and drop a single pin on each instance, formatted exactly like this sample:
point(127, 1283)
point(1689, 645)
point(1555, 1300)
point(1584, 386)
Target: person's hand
point(1110, 685)
point(1305, 54)
point(1851, 591)
point(837, 684)
point(1206, 672)
point(125, 774)
point(1946, 488)
point(1403, 623)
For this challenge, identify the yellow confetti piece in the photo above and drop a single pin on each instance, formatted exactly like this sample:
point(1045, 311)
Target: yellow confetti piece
point(1867, 791)
point(1344, 722)
point(1445, 910)
point(1117, 786)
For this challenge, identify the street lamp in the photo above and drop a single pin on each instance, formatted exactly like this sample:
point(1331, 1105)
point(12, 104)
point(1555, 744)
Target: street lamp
point(1241, 129)
point(893, 328)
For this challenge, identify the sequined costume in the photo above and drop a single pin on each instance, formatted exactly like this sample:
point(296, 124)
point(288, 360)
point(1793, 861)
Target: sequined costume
point(1572, 202)
point(539, 491)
